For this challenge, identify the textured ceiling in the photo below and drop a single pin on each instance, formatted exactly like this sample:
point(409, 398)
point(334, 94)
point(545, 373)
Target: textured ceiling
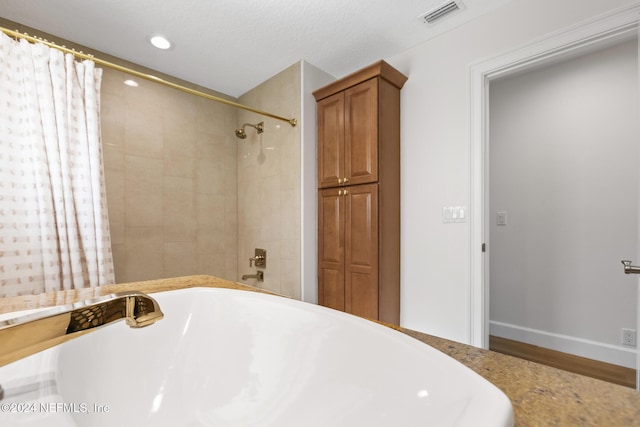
point(232, 46)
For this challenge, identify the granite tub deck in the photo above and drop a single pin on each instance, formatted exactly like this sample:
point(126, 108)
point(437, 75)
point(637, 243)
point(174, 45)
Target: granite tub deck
point(541, 396)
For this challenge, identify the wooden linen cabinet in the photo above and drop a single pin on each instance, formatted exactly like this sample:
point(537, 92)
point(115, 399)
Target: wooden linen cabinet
point(359, 193)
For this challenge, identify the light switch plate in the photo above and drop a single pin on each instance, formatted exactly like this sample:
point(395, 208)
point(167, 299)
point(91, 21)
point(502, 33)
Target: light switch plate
point(501, 218)
point(454, 214)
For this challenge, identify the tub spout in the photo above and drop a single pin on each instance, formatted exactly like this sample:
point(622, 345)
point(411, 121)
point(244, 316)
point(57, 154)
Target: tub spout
point(259, 275)
point(26, 335)
point(142, 310)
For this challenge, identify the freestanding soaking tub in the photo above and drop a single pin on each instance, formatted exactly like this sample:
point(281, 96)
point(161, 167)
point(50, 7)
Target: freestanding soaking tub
point(231, 358)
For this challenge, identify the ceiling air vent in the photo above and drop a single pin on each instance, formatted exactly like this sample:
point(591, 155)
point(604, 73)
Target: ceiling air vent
point(436, 13)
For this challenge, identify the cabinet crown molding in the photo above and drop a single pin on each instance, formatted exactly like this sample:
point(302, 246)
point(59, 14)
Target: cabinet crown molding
point(378, 69)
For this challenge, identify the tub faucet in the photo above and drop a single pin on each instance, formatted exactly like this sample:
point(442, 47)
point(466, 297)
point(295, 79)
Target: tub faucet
point(259, 275)
point(26, 335)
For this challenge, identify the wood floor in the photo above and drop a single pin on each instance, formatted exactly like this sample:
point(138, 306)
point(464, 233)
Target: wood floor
point(576, 364)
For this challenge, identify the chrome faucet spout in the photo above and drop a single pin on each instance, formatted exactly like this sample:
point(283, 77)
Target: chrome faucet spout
point(26, 335)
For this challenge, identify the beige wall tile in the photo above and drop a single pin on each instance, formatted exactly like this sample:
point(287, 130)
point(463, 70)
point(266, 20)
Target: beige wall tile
point(113, 156)
point(181, 167)
point(179, 109)
point(187, 197)
point(290, 285)
point(144, 254)
point(112, 121)
point(179, 140)
point(152, 136)
point(119, 261)
point(114, 182)
point(180, 259)
point(179, 210)
point(113, 82)
point(212, 263)
point(268, 185)
point(143, 191)
point(143, 132)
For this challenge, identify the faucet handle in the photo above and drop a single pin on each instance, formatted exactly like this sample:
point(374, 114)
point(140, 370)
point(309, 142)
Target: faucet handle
point(630, 269)
point(260, 258)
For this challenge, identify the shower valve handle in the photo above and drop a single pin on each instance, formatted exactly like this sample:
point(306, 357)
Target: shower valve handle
point(260, 258)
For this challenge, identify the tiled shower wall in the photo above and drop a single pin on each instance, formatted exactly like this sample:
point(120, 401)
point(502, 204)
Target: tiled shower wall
point(187, 197)
point(170, 165)
point(269, 184)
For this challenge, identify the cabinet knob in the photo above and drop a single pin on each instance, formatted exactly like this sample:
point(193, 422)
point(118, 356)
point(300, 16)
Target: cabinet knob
point(346, 192)
point(340, 181)
point(345, 180)
point(339, 192)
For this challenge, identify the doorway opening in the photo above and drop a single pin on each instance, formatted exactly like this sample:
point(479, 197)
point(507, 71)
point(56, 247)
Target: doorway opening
point(523, 265)
point(563, 209)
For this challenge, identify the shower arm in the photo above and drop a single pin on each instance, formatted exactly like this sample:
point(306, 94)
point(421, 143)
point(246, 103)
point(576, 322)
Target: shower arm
point(81, 55)
point(258, 127)
point(240, 133)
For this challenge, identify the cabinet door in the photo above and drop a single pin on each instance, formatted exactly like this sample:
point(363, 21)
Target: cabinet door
point(361, 133)
point(331, 211)
point(331, 140)
point(361, 251)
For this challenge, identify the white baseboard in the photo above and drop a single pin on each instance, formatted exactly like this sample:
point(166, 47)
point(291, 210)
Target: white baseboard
point(614, 354)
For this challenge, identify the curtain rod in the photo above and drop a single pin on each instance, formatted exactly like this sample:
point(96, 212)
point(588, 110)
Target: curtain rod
point(82, 55)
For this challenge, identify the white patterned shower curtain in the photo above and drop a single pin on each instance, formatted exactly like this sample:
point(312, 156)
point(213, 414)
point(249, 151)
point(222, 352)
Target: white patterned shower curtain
point(54, 228)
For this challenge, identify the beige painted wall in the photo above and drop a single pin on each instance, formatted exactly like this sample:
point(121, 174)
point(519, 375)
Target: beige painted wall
point(170, 165)
point(269, 184)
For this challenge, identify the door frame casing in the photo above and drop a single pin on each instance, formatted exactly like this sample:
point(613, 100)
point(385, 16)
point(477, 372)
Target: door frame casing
point(586, 36)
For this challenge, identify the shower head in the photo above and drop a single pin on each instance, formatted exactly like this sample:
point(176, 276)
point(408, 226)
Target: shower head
point(240, 132)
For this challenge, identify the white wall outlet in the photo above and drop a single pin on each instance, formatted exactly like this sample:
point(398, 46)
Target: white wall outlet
point(629, 337)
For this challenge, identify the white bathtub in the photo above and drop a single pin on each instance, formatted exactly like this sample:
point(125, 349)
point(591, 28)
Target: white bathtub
point(229, 358)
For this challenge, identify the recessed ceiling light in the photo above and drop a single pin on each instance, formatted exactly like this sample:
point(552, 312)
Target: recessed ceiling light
point(160, 42)
point(131, 83)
